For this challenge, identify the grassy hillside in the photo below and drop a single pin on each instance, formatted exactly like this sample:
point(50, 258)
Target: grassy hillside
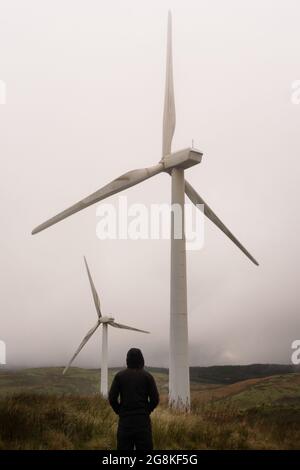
point(57, 412)
point(278, 390)
point(50, 380)
point(41, 421)
point(86, 381)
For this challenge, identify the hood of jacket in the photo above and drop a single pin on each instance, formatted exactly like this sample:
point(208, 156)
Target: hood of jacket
point(135, 359)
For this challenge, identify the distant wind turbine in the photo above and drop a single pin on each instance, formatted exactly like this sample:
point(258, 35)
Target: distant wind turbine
point(173, 163)
point(104, 321)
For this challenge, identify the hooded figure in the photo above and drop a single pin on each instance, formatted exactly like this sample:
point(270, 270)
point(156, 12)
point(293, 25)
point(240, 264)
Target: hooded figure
point(133, 396)
point(135, 359)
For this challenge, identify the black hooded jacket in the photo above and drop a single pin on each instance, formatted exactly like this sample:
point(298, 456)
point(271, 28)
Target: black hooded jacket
point(135, 387)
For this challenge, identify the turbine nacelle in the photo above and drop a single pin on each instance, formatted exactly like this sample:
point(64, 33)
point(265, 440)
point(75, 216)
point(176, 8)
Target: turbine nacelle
point(182, 159)
point(106, 319)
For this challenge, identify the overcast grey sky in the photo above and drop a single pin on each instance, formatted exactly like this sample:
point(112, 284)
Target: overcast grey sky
point(85, 85)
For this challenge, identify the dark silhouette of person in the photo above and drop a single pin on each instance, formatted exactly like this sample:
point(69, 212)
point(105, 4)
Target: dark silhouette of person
point(133, 396)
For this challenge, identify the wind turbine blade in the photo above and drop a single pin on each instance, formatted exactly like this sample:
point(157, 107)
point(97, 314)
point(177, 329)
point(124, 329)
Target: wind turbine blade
point(125, 327)
point(169, 119)
point(94, 292)
point(197, 199)
point(125, 181)
point(83, 342)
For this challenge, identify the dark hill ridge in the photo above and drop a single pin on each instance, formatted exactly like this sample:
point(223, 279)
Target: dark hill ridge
point(232, 374)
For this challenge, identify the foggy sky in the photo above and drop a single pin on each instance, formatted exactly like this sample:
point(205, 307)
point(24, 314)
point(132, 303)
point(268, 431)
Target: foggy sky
point(85, 85)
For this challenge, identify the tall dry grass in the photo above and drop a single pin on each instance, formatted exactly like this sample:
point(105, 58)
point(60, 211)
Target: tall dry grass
point(31, 421)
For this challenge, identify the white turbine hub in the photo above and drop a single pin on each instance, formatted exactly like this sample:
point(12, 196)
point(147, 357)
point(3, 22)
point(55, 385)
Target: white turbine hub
point(106, 319)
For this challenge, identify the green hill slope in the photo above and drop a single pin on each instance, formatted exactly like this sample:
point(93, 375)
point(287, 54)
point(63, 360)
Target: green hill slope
point(279, 390)
point(50, 380)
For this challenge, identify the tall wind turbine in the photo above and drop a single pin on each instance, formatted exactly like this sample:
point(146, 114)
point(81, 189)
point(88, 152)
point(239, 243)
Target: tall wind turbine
point(173, 163)
point(105, 321)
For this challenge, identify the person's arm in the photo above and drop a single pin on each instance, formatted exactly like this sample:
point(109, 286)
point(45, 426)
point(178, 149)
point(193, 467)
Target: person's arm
point(114, 394)
point(153, 394)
